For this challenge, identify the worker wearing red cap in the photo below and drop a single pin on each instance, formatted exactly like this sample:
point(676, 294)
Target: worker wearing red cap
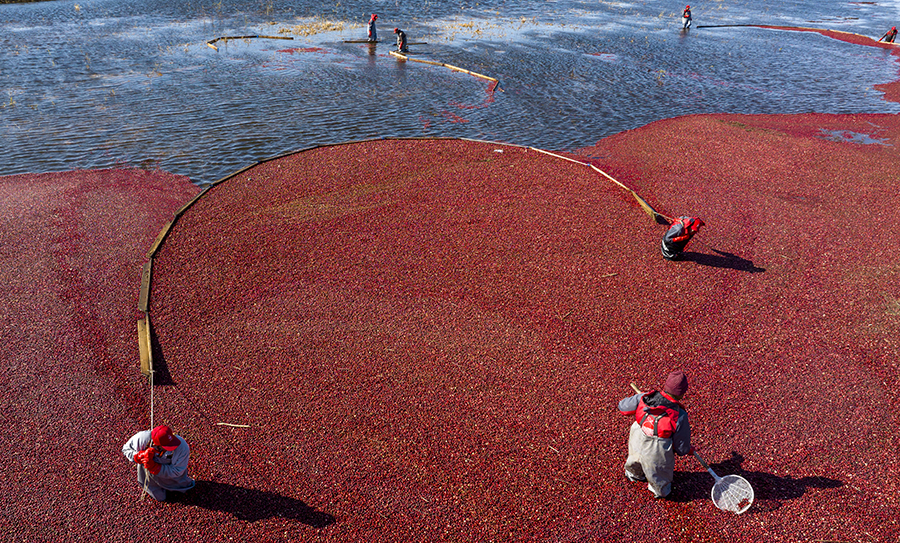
point(889, 35)
point(164, 457)
point(372, 33)
point(686, 18)
point(680, 232)
point(660, 431)
point(401, 41)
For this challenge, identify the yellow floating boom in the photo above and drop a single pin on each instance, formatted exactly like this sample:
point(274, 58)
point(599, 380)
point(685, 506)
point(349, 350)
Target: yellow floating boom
point(449, 66)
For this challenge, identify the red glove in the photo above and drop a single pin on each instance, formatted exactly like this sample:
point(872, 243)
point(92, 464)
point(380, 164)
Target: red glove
point(692, 450)
point(151, 465)
point(140, 457)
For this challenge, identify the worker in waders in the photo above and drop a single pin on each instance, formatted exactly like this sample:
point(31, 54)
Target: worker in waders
point(401, 41)
point(372, 32)
point(162, 461)
point(660, 431)
point(686, 18)
point(680, 232)
point(889, 35)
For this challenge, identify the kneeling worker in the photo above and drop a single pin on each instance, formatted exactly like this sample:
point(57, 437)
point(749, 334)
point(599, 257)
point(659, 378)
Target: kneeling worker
point(162, 461)
point(401, 41)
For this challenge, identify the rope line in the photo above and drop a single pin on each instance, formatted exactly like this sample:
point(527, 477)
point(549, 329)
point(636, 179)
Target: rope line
point(643, 203)
point(147, 473)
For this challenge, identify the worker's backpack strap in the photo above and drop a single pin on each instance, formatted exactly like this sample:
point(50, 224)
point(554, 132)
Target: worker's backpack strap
point(655, 422)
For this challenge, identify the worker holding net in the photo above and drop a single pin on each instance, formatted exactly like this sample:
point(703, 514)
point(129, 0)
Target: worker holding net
point(660, 431)
point(651, 446)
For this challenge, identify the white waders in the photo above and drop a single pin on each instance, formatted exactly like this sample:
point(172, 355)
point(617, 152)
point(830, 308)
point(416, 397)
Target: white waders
point(650, 459)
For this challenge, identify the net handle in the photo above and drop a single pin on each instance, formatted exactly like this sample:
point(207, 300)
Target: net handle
point(705, 465)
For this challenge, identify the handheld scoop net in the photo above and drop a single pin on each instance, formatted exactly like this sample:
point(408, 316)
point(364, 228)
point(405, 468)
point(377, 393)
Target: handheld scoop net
point(730, 493)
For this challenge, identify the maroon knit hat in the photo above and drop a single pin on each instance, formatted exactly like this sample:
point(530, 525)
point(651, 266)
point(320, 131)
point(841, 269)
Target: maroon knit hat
point(676, 383)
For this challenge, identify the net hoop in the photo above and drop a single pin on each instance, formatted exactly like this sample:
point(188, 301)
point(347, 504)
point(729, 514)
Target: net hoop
point(732, 493)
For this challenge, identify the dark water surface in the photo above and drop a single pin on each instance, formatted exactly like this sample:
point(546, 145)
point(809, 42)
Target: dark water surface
point(102, 83)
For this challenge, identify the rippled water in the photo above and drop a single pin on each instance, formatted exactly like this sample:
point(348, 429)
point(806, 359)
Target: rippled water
point(94, 84)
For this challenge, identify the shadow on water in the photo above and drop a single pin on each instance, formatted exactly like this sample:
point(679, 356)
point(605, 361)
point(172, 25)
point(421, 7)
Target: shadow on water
point(722, 259)
point(769, 490)
point(251, 505)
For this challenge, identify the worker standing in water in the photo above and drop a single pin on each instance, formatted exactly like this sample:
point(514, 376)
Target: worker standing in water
point(686, 18)
point(401, 41)
point(372, 32)
point(889, 35)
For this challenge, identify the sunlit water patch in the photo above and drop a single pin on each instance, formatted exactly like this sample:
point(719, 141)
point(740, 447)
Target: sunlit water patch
point(848, 136)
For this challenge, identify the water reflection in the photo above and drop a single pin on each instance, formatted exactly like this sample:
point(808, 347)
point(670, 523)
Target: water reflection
point(105, 83)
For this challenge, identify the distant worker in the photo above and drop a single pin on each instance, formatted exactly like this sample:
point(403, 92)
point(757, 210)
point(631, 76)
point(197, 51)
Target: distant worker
point(162, 461)
point(686, 18)
point(660, 431)
point(678, 235)
point(372, 33)
point(889, 35)
point(401, 41)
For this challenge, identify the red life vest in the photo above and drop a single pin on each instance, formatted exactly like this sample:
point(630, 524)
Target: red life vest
point(689, 227)
point(659, 419)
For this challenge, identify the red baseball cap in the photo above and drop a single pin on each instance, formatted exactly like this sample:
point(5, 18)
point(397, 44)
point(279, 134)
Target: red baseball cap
point(163, 436)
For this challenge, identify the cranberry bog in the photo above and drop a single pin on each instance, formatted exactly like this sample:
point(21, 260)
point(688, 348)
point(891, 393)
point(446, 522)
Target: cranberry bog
point(424, 340)
point(403, 340)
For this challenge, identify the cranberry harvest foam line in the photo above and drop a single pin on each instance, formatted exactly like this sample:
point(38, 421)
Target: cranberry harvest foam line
point(822, 31)
point(144, 327)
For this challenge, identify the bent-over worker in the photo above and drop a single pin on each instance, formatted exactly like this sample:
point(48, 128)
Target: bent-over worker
point(678, 235)
point(889, 35)
point(660, 431)
point(401, 41)
point(163, 456)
